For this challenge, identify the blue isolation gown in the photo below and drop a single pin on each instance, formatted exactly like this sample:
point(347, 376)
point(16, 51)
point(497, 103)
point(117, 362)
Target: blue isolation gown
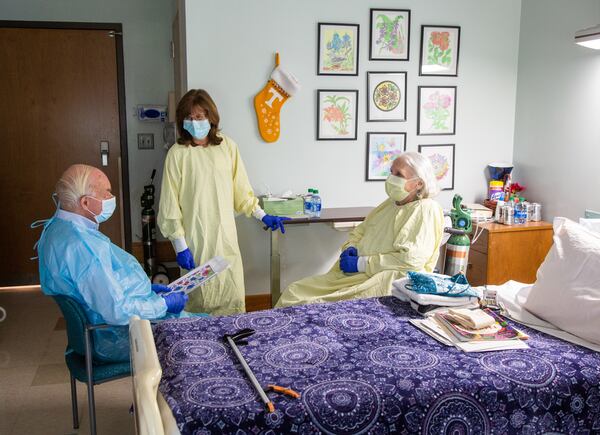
point(77, 260)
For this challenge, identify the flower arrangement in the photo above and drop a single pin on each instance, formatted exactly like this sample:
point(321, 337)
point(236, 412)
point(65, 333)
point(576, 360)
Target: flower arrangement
point(337, 113)
point(390, 37)
point(438, 49)
point(437, 110)
point(515, 188)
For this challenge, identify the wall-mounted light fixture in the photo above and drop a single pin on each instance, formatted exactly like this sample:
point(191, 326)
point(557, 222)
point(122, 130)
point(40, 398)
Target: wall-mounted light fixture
point(589, 37)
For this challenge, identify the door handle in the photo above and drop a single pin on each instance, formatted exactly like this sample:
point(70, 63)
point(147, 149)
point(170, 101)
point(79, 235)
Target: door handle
point(104, 152)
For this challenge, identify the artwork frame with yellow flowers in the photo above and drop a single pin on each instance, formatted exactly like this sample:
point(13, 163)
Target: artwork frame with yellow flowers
point(382, 149)
point(442, 159)
point(440, 47)
point(386, 96)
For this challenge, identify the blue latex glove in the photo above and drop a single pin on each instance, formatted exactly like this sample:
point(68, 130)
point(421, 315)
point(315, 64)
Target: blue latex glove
point(350, 251)
point(175, 302)
point(185, 259)
point(159, 288)
point(349, 264)
point(275, 222)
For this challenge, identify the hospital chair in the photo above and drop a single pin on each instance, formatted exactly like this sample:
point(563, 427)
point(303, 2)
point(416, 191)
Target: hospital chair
point(80, 359)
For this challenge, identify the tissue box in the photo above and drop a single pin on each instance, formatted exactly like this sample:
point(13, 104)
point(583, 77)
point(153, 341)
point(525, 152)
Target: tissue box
point(283, 206)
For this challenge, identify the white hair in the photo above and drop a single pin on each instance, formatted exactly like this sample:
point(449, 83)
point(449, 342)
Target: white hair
point(422, 168)
point(73, 184)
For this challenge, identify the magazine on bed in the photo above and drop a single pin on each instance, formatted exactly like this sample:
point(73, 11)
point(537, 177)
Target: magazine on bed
point(199, 276)
point(498, 331)
point(499, 336)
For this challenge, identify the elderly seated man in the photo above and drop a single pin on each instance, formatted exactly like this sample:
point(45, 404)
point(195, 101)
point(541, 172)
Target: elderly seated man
point(77, 260)
point(402, 234)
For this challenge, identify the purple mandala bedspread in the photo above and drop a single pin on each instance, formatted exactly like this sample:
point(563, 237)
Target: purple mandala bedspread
point(362, 368)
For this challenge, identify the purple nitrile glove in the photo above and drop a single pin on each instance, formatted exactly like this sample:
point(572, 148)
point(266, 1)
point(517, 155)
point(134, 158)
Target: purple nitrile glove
point(185, 259)
point(350, 251)
point(349, 264)
point(175, 302)
point(159, 288)
point(275, 222)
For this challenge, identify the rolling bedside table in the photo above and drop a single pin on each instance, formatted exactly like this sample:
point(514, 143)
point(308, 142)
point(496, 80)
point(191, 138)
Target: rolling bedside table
point(505, 252)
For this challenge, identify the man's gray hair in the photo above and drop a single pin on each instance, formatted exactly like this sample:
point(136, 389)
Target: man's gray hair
point(422, 167)
point(73, 184)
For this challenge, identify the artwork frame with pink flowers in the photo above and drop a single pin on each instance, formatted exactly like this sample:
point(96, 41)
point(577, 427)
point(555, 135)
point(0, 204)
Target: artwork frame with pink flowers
point(382, 149)
point(440, 46)
point(337, 114)
point(442, 159)
point(386, 96)
point(436, 111)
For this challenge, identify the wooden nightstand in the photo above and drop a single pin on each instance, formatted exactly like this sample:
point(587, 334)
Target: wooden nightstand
point(505, 252)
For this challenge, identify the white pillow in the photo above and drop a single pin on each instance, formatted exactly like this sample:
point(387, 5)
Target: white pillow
point(590, 224)
point(567, 290)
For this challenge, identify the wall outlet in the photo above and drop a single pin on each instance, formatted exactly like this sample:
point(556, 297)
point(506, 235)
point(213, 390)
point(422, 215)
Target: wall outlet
point(146, 141)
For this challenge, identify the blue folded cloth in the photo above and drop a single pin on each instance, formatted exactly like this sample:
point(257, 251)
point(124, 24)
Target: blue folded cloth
point(440, 285)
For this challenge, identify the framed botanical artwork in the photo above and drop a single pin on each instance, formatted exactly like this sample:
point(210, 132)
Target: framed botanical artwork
point(442, 159)
point(338, 49)
point(436, 110)
point(439, 50)
point(389, 37)
point(337, 113)
point(382, 149)
point(386, 96)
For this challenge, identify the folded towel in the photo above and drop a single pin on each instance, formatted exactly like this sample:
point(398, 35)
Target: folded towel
point(430, 310)
point(400, 291)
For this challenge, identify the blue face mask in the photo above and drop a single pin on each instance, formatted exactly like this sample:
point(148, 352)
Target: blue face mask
point(108, 208)
point(198, 129)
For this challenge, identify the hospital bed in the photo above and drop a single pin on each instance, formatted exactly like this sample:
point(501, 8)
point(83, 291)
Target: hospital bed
point(360, 368)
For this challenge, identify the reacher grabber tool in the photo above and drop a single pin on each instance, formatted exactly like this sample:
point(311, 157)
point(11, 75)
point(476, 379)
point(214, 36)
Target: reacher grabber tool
point(238, 338)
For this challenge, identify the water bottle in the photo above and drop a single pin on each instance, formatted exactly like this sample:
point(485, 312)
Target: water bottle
point(308, 203)
point(520, 213)
point(316, 203)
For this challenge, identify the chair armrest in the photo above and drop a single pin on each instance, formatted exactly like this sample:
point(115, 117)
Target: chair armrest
point(98, 326)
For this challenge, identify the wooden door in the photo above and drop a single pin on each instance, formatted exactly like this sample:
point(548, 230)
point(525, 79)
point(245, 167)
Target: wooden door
point(59, 99)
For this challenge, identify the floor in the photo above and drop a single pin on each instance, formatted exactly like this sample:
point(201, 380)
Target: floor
point(34, 382)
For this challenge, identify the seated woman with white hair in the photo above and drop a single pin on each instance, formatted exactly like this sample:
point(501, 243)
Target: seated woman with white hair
point(402, 234)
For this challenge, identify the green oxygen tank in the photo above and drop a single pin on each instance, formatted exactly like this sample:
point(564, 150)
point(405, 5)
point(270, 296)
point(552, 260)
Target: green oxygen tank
point(457, 247)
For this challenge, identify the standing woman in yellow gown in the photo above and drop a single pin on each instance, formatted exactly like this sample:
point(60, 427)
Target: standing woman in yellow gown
point(401, 234)
point(204, 184)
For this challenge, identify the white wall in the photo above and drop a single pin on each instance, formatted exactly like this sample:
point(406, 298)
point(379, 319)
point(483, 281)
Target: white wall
point(557, 132)
point(230, 52)
point(148, 66)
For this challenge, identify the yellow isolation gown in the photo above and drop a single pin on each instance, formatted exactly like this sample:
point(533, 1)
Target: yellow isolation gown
point(395, 239)
point(202, 189)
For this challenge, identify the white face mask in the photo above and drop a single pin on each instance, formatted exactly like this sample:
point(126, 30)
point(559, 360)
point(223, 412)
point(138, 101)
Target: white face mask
point(108, 208)
point(395, 187)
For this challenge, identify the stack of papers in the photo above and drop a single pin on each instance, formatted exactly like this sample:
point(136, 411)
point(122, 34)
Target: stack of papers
point(479, 211)
point(498, 336)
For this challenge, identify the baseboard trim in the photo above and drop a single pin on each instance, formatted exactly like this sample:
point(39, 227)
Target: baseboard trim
point(258, 302)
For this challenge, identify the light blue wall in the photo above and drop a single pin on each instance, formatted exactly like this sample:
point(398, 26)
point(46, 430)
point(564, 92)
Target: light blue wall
point(148, 66)
point(557, 131)
point(230, 49)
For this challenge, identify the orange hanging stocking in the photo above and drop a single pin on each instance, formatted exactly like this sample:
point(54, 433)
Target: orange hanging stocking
point(268, 102)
